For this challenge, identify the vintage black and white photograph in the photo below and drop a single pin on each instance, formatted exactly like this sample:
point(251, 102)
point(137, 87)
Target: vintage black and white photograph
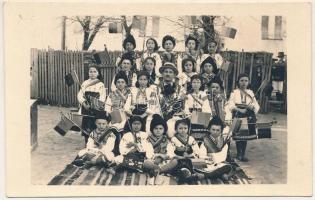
point(159, 100)
point(167, 99)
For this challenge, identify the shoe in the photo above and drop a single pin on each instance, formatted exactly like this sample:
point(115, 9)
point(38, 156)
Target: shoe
point(151, 180)
point(242, 159)
point(185, 172)
point(225, 177)
point(159, 180)
point(78, 162)
point(111, 170)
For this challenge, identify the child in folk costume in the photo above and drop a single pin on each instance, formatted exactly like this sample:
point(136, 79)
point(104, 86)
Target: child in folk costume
point(212, 52)
point(243, 104)
point(150, 67)
point(189, 69)
point(129, 45)
point(100, 145)
point(192, 51)
point(116, 101)
point(91, 89)
point(168, 43)
point(152, 51)
point(208, 70)
point(125, 64)
point(215, 149)
point(143, 100)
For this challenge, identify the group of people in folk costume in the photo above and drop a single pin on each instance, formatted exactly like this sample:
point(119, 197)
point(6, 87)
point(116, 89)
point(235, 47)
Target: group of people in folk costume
point(154, 96)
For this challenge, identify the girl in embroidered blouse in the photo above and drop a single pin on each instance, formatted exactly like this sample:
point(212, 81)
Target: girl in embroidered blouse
point(242, 103)
point(152, 51)
point(116, 100)
point(197, 99)
point(91, 88)
point(189, 69)
point(150, 67)
point(168, 43)
point(192, 51)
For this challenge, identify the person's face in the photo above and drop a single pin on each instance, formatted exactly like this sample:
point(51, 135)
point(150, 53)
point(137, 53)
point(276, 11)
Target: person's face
point(150, 45)
point(121, 84)
point(143, 81)
point(212, 47)
point(168, 45)
point(126, 65)
point(215, 88)
point(182, 129)
point(215, 130)
point(93, 73)
point(101, 124)
point(136, 126)
point(188, 66)
point(149, 65)
point(196, 84)
point(191, 44)
point(129, 46)
point(158, 130)
point(208, 68)
point(243, 82)
point(168, 74)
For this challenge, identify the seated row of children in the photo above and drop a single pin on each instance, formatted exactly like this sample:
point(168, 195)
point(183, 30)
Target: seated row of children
point(176, 156)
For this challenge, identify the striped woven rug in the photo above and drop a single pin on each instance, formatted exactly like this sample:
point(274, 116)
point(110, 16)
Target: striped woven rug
point(73, 175)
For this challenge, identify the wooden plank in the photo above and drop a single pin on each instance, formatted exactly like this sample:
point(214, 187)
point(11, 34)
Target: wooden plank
point(34, 82)
point(45, 75)
point(251, 68)
point(63, 61)
point(59, 78)
point(50, 76)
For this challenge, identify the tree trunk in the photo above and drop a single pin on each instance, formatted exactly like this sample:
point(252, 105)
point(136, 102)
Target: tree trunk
point(208, 27)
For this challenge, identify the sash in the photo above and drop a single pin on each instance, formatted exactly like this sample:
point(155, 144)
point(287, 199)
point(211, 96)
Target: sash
point(185, 143)
point(156, 143)
point(196, 100)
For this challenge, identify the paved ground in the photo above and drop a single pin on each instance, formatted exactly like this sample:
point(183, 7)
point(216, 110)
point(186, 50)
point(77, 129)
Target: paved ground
point(268, 157)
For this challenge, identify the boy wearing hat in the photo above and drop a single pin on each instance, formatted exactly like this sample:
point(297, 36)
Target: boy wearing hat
point(129, 45)
point(100, 146)
point(125, 64)
point(212, 52)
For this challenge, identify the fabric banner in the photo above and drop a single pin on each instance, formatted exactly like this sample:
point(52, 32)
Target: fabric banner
point(115, 27)
point(229, 32)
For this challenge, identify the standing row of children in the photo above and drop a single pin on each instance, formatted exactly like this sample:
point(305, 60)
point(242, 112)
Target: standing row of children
point(190, 84)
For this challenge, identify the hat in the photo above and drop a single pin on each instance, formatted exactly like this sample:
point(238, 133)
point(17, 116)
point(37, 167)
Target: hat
point(168, 37)
point(130, 39)
point(168, 65)
point(143, 73)
point(135, 118)
point(102, 115)
point(190, 37)
point(280, 54)
point(127, 56)
point(216, 121)
point(121, 75)
point(217, 80)
point(158, 120)
point(212, 62)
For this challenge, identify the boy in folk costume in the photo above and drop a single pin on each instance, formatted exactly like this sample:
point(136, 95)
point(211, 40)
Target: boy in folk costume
point(208, 70)
point(243, 104)
point(212, 52)
point(143, 100)
point(152, 51)
point(168, 43)
point(100, 146)
point(116, 100)
point(192, 51)
point(215, 149)
point(125, 64)
point(129, 45)
point(188, 70)
point(91, 89)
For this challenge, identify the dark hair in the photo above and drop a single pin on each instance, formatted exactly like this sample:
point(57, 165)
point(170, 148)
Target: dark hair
point(182, 121)
point(212, 62)
point(149, 58)
point(216, 80)
point(216, 121)
point(191, 60)
point(156, 46)
point(239, 78)
point(213, 41)
point(192, 38)
point(197, 76)
point(168, 37)
point(130, 39)
point(142, 73)
point(121, 75)
point(93, 65)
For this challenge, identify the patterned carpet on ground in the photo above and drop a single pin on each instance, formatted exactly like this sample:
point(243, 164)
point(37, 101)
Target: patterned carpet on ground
point(73, 175)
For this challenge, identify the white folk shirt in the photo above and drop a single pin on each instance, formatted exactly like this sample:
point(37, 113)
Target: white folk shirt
point(106, 147)
point(237, 98)
point(176, 143)
point(98, 87)
point(141, 138)
point(191, 102)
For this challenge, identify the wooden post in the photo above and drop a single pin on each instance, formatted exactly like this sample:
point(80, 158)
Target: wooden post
point(63, 33)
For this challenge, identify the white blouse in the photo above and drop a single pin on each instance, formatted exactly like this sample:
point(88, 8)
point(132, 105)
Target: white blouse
point(98, 87)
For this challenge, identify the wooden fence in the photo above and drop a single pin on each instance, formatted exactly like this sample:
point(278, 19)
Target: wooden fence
point(49, 67)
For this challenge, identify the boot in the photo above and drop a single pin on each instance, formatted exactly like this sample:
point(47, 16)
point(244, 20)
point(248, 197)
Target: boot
point(239, 150)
